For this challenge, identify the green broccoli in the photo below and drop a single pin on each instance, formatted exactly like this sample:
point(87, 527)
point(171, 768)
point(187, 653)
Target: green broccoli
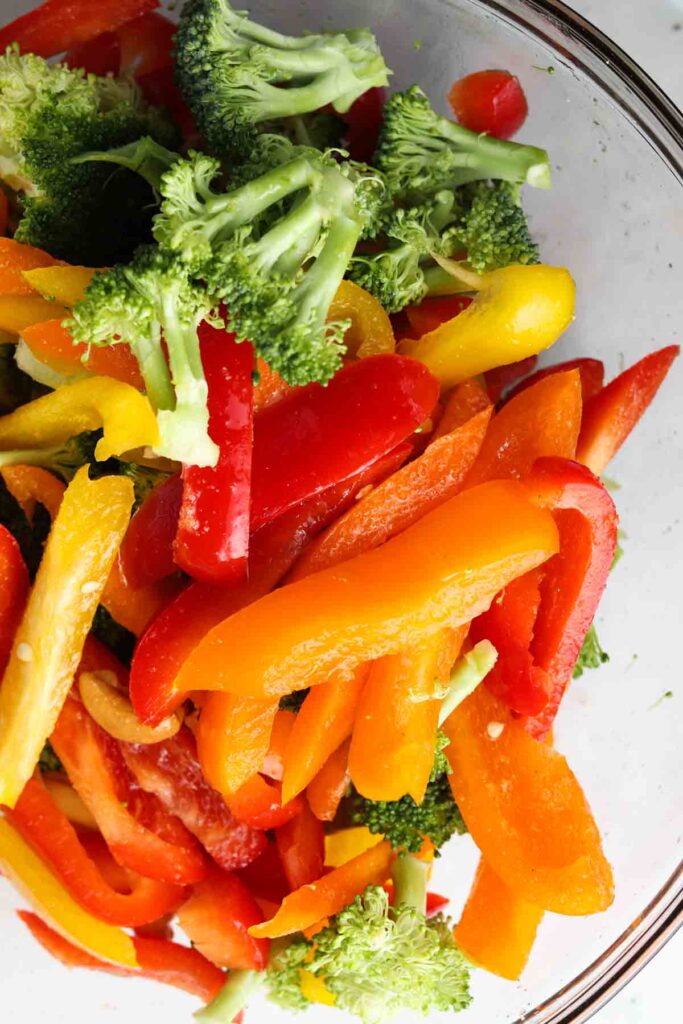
point(145, 157)
point(49, 114)
point(138, 302)
point(421, 153)
point(237, 75)
point(591, 654)
point(492, 227)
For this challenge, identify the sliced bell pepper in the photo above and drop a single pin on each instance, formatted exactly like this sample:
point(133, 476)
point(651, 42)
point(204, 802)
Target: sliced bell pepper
point(370, 333)
point(432, 312)
point(363, 121)
point(34, 880)
point(497, 929)
point(591, 372)
point(171, 771)
point(330, 894)
point(52, 344)
point(258, 802)
point(611, 414)
point(89, 757)
point(108, 704)
point(53, 836)
point(158, 960)
point(31, 485)
point(14, 586)
point(17, 312)
point(525, 810)
point(462, 404)
point(400, 501)
point(145, 44)
point(78, 557)
point(325, 792)
point(68, 801)
point(269, 388)
point(499, 379)
point(212, 542)
point(319, 436)
point(233, 736)
point(217, 919)
point(65, 284)
point(135, 609)
point(542, 421)
point(456, 558)
point(323, 723)
point(301, 845)
point(265, 876)
point(100, 55)
point(124, 414)
point(16, 258)
point(518, 311)
point(146, 554)
point(574, 580)
point(273, 763)
point(57, 25)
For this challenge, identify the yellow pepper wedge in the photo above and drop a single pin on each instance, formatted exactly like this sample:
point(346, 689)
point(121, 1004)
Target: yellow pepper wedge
point(125, 415)
point(79, 554)
point(314, 988)
point(346, 843)
point(33, 879)
point(17, 312)
point(518, 312)
point(61, 284)
point(370, 333)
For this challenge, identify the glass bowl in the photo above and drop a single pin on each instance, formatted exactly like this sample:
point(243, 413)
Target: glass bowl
point(615, 217)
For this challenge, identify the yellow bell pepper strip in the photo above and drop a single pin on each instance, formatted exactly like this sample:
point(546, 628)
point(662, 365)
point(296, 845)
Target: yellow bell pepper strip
point(330, 894)
point(31, 485)
point(497, 928)
point(518, 311)
point(124, 414)
point(15, 258)
point(346, 843)
point(106, 702)
point(525, 810)
point(61, 284)
point(441, 571)
point(33, 879)
point(18, 312)
point(78, 556)
point(314, 988)
point(370, 332)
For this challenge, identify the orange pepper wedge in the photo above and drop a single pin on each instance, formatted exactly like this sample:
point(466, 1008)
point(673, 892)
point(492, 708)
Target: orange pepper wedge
point(525, 810)
point(135, 609)
point(52, 344)
point(325, 792)
point(442, 571)
point(330, 894)
point(233, 737)
point(463, 402)
point(31, 485)
point(273, 764)
point(497, 928)
point(17, 312)
point(16, 257)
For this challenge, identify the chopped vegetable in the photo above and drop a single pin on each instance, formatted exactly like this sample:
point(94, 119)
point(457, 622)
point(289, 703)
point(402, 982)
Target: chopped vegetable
point(489, 101)
point(57, 25)
point(591, 654)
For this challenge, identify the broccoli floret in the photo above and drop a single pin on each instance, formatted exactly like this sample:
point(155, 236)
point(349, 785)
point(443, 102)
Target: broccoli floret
point(139, 302)
point(492, 227)
point(146, 157)
point(591, 654)
point(48, 115)
point(237, 75)
point(421, 153)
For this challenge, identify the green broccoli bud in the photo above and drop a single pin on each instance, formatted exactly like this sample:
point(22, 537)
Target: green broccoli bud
point(591, 654)
point(492, 228)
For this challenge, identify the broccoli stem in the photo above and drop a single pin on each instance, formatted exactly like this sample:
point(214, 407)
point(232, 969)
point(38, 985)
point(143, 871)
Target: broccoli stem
point(30, 457)
point(440, 282)
point(327, 272)
point(233, 997)
point(410, 875)
point(285, 242)
point(152, 363)
point(145, 157)
point(468, 673)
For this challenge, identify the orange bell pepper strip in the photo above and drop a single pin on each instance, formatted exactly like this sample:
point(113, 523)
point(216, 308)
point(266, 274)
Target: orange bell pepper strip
point(325, 792)
point(233, 737)
point(31, 485)
point(463, 402)
point(370, 332)
point(542, 421)
point(273, 763)
point(17, 312)
point(52, 344)
point(441, 571)
point(497, 929)
point(330, 894)
point(65, 284)
point(323, 723)
point(34, 880)
point(611, 414)
point(217, 919)
point(134, 609)
point(15, 258)
point(525, 810)
point(399, 501)
point(78, 557)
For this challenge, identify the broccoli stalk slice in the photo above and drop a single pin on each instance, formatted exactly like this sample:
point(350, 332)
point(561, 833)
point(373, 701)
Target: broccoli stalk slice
point(410, 876)
point(233, 997)
point(470, 670)
point(439, 282)
point(153, 367)
point(145, 157)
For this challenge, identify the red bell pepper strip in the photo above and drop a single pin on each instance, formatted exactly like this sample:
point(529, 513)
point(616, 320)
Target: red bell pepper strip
point(171, 771)
point(138, 47)
point(88, 755)
point(265, 877)
point(217, 918)
point(489, 101)
point(591, 371)
point(363, 121)
point(432, 312)
point(574, 579)
point(610, 416)
point(4, 213)
point(301, 844)
point(146, 553)
point(53, 836)
point(212, 541)
point(14, 585)
point(98, 56)
point(274, 548)
point(319, 436)
point(258, 802)
point(500, 378)
point(159, 960)
point(58, 25)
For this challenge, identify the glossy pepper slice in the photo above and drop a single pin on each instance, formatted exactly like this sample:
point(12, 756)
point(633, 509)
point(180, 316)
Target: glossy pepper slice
point(301, 845)
point(52, 344)
point(456, 558)
point(16, 257)
point(78, 557)
point(64, 283)
point(217, 918)
point(57, 25)
point(14, 585)
point(258, 802)
point(525, 810)
point(233, 736)
point(17, 312)
point(327, 789)
point(591, 372)
point(370, 333)
point(146, 554)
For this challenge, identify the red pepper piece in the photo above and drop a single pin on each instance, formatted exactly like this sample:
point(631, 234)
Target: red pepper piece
point(53, 836)
point(98, 56)
point(591, 371)
point(610, 416)
point(171, 771)
point(160, 90)
point(258, 802)
point(159, 960)
point(574, 578)
point(4, 213)
point(500, 378)
point(432, 312)
point(265, 877)
point(364, 120)
point(436, 903)
point(489, 101)
point(146, 554)
point(14, 586)
point(216, 919)
point(301, 844)
point(319, 436)
point(146, 44)
point(212, 542)
point(59, 25)
point(274, 548)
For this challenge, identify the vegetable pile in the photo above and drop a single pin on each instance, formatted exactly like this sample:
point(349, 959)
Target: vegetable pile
point(299, 552)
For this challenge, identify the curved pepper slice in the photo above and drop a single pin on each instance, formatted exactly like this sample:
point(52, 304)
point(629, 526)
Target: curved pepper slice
point(34, 880)
point(325, 792)
point(65, 284)
point(233, 736)
point(518, 311)
point(31, 485)
point(124, 414)
point(57, 25)
point(258, 802)
point(17, 312)
point(301, 845)
point(463, 402)
point(78, 557)
point(441, 571)
point(525, 810)
point(14, 585)
point(591, 371)
point(370, 333)
point(217, 918)
point(52, 344)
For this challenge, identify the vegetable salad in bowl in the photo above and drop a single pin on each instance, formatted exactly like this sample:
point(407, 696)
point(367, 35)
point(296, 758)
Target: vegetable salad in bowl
point(300, 550)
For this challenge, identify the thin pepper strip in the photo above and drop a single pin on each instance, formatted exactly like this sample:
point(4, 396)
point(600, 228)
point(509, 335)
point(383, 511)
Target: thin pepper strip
point(325, 792)
point(217, 918)
point(31, 485)
point(52, 344)
point(14, 587)
point(370, 333)
point(15, 258)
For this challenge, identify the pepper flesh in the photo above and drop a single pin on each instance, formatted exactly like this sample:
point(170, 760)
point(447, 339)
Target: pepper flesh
point(17, 312)
point(217, 918)
point(52, 344)
point(15, 258)
point(57, 25)
point(591, 371)
point(301, 845)
point(78, 557)
point(370, 333)
point(65, 284)
point(14, 587)
point(325, 792)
